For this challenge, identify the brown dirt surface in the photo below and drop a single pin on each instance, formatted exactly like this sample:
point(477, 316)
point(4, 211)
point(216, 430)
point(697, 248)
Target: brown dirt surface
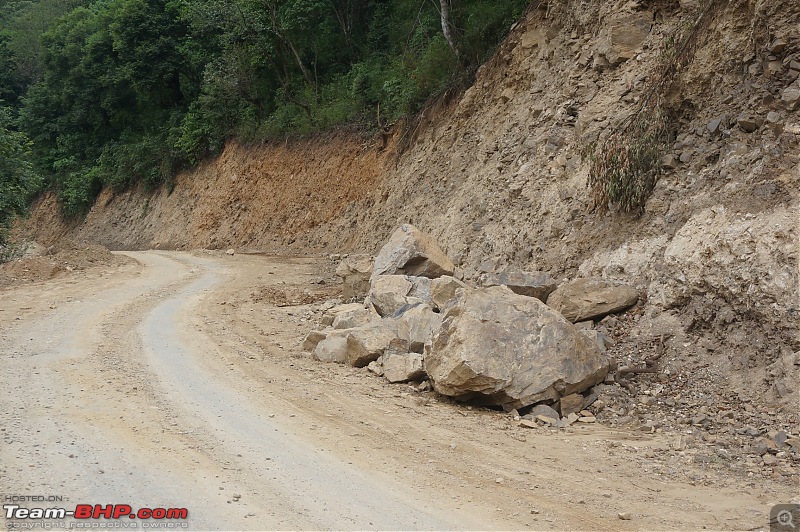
point(129, 426)
point(63, 258)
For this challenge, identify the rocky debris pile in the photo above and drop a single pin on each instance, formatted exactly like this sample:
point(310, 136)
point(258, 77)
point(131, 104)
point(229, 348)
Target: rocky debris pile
point(39, 263)
point(497, 343)
point(431, 333)
point(691, 400)
point(355, 271)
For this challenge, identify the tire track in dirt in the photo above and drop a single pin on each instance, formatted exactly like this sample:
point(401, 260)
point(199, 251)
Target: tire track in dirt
point(118, 410)
point(80, 418)
point(291, 473)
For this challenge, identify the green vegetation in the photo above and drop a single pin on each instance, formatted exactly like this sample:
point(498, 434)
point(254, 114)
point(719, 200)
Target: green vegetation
point(117, 92)
point(19, 180)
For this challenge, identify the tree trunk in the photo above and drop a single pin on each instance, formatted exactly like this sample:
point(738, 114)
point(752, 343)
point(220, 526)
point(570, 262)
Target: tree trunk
point(446, 27)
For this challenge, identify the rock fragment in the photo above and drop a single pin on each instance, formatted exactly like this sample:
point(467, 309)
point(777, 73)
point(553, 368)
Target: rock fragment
point(355, 271)
point(388, 293)
point(366, 344)
point(409, 251)
point(531, 284)
point(588, 299)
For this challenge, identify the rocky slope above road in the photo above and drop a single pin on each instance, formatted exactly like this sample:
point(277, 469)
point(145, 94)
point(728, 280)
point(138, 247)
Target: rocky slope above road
point(497, 176)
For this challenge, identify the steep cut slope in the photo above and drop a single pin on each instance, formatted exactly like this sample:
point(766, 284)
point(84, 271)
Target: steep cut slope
point(252, 197)
point(498, 178)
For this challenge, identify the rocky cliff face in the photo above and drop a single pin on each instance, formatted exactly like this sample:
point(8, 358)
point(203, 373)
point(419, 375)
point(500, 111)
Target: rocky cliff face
point(498, 178)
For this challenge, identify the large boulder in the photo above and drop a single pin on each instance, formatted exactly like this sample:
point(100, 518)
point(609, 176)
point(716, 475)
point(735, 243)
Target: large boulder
point(624, 34)
point(420, 287)
point(531, 284)
point(589, 299)
point(388, 293)
point(443, 290)
point(368, 343)
point(510, 350)
point(409, 251)
point(355, 271)
point(330, 315)
point(332, 349)
point(356, 317)
point(312, 339)
point(416, 324)
point(398, 365)
point(403, 367)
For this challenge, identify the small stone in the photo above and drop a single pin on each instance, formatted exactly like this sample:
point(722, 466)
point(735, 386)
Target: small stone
point(769, 460)
point(698, 420)
point(570, 404)
point(751, 431)
point(774, 68)
point(534, 511)
point(647, 400)
point(547, 420)
point(777, 46)
point(669, 161)
point(747, 123)
point(499, 480)
point(686, 156)
point(773, 117)
point(778, 436)
point(527, 423)
point(598, 406)
point(791, 97)
point(759, 447)
point(793, 443)
point(543, 410)
point(230, 251)
point(714, 126)
point(587, 419)
point(376, 367)
point(625, 516)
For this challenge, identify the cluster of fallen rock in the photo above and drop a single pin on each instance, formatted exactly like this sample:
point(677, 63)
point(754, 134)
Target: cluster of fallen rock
point(511, 341)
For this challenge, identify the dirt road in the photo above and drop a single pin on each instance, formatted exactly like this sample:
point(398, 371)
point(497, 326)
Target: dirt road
point(173, 381)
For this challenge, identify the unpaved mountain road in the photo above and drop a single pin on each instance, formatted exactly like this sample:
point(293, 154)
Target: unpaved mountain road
point(169, 382)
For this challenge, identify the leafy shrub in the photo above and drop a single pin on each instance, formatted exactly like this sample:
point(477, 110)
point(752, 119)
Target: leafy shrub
point(18, 181)
point(129, 91)
point(624, 168)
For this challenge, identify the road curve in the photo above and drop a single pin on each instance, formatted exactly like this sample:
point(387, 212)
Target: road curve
point(111, 402)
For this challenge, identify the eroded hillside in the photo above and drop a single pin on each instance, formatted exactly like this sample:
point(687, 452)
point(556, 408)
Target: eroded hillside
point(498, 177)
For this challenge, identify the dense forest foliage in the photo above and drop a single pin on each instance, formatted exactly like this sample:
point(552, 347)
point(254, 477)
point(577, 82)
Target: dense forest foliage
point(113, 92)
